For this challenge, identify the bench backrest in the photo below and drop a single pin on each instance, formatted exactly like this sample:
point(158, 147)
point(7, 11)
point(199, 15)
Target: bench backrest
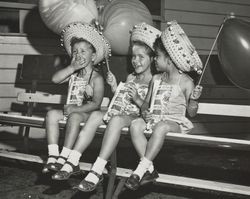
point(49, 98)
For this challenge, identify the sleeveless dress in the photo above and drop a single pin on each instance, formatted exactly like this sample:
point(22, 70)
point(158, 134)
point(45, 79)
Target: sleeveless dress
point(80, 91)
point(169, 103)
point(121, 103)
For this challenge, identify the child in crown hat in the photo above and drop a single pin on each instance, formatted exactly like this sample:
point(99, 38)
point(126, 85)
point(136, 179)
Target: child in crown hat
point(172, 94)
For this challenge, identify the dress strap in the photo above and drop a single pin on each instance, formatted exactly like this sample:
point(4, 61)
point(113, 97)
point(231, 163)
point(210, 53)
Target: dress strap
point(90, 75)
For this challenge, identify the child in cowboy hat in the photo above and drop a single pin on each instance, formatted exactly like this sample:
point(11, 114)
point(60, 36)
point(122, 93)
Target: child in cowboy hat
point(87, 47)
point(142, 39)
point(172, 93)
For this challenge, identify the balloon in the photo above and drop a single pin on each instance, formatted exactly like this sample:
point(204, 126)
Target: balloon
point(118, 18)
point(234, 51)
point(56, 14)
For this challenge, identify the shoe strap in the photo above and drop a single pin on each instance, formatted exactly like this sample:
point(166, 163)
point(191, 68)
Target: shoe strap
point(53, 156)
point(96, 174)
point(62, 157)
point(70, 164)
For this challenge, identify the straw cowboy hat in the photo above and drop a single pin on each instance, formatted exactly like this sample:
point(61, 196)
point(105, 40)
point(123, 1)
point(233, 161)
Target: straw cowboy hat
point(88, 33)
point(180, 49)
point(145, 33)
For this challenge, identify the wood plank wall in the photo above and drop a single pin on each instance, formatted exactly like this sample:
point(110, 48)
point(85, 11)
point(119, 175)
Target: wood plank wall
point(199, 18)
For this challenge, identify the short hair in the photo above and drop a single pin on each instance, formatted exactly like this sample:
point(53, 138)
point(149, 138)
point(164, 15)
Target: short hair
point(158, 45)
point(76, 40)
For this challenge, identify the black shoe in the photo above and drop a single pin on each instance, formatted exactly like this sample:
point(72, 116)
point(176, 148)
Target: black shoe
point(57, 166)
point(48, 166)
point(149, 177)
point(64, 175)
point(133, 182)
point(87, 186)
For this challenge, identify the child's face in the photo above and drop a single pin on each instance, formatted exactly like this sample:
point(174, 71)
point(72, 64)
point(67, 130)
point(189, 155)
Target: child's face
point(162, 61)
point(141, 61)
point(83, 53)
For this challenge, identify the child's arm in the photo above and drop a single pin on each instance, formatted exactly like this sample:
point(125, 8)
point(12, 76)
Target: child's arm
point(111, 80)
point(64, 74)
point(192, 106)
point(98, 94)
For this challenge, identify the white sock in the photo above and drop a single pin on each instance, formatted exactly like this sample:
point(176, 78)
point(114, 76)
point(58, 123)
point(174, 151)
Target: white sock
point(98, 167)
point(142, 167)
point(151, 168)
point(53, 149)
point(74, 158)
point(64, 153)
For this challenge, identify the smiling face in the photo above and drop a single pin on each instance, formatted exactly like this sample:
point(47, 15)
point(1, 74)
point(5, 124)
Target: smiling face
point(141, 60)
point(83, 52)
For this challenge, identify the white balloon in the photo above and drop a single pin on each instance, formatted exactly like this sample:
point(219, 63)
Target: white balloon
point(57, 14)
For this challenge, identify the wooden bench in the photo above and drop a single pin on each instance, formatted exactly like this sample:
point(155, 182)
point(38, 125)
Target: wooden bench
point(204, 108)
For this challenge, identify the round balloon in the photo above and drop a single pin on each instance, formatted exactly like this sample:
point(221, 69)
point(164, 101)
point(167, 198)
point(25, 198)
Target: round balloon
point(118, 18)
point(234, 51)
point(56, 14)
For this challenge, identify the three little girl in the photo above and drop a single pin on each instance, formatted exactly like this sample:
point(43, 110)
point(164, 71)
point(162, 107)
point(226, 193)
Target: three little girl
point(155, 105)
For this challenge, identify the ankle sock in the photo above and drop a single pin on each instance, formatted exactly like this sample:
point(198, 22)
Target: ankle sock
point(53, 150)
point(98, 167)
point(151, 167)
point(64, 153)
point(73, 158)
point(142, 167)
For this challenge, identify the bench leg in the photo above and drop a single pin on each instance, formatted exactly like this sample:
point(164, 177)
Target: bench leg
point(112, 175)
point(26, 139)
point(119, 188)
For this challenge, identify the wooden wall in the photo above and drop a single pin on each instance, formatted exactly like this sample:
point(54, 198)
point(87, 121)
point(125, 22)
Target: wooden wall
point(199, 18)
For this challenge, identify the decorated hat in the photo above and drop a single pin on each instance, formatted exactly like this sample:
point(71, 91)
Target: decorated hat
point(88, 33)
point(145, 33)
point(180, 49)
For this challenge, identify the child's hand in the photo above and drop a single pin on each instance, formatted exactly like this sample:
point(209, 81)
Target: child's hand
point(132, 92)
point(111, 80)
point(196, 92)
point(68, 109)
point(147, 115)
point(77, 63)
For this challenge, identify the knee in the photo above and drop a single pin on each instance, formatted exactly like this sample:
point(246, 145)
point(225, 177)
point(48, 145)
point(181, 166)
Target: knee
point(137, 126)
point(96, 115)
point(75, 117)
point(161, 129)
point(53, 116)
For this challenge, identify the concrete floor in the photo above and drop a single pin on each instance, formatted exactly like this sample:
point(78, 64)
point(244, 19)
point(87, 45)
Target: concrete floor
point(23, 180)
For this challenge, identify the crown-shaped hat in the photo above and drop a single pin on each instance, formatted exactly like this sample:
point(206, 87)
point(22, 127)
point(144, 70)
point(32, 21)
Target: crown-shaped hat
point(145, 33)
point(88, 33)
point(180, 49)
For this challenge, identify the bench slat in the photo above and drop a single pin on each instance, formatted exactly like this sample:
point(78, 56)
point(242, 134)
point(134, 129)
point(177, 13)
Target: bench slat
point(203, 140)
point(49, 98)
point(224, 109)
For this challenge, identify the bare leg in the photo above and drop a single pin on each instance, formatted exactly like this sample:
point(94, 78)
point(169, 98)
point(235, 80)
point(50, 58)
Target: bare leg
point(138, 138)
point(88, 131)
point(52, 130)
point(110, 141)
point(112, 134)
point(156, 141)
point(52, 126)
point(73, 128)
